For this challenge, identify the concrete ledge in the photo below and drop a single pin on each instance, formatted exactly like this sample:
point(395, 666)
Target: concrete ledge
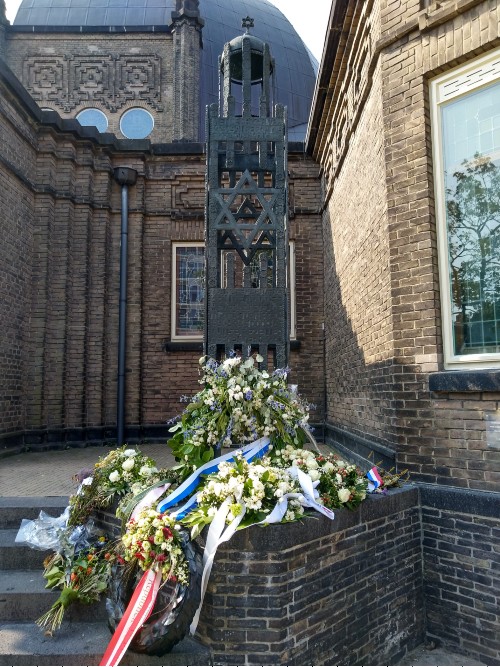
point(461, 501)
point(358, 449)
point(463, 381)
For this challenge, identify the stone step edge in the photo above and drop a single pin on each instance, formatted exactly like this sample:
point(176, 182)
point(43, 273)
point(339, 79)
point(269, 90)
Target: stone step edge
point(84, 644)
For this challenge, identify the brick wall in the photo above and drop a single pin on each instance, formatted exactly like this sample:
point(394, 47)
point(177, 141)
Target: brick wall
point(17, 203)
point(461, 550)
point(320, 592)
point(62, 299)
point(381, 281)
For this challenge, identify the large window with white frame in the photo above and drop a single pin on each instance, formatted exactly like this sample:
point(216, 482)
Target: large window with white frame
point(465, 105)
point(188, 290)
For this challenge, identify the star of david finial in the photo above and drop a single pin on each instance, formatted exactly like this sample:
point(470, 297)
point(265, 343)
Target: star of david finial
point(247, 23)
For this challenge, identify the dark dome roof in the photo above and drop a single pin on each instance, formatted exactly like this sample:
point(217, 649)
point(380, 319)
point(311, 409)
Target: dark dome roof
point(295, 66)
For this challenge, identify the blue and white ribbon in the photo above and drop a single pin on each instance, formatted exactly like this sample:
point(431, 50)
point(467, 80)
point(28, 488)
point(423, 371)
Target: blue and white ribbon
point(219, 532)
point(250, 452)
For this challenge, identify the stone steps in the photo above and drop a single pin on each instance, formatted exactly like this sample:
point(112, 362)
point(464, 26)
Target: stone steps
point(84, 634)
point(13, 510)
point(13, 556)
point(23, 597)
point(82, 644)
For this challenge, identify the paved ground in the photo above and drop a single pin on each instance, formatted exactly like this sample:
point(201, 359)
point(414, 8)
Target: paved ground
point(50, 474)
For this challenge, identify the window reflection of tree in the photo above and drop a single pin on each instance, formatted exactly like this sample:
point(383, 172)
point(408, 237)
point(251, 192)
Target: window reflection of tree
point(473, 214)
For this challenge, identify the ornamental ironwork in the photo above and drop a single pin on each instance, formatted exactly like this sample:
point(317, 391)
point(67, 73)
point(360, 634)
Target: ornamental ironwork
point(246, 226)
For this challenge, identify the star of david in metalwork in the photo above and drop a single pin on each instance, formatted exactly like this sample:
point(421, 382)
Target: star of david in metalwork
point(246, 221)
point(247, 23)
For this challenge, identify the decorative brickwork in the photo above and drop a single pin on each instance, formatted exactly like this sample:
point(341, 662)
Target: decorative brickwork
point(381, 282)
point(62, 74)
point(61, 348)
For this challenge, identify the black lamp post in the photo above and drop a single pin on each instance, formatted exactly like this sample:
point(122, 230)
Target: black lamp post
point(124, 176)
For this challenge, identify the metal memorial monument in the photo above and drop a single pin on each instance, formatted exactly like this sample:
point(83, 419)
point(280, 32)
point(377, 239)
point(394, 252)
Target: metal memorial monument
point(246, 213)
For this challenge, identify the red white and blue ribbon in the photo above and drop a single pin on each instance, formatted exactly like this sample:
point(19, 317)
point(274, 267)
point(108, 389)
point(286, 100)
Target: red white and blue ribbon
point(374, 479)
point(138, 611)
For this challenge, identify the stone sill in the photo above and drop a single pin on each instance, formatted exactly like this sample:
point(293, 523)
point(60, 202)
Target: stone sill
point(197, 346)
point(464, 381)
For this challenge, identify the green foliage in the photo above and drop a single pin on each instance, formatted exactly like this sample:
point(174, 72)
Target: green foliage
point(239, 403)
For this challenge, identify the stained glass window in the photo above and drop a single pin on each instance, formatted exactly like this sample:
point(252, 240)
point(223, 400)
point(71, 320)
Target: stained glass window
point(189, 264)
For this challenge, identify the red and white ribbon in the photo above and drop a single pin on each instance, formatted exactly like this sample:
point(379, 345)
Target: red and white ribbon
point(138, 611)
point(149, 499)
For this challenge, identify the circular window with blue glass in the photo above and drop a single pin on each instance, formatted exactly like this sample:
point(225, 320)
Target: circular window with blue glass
point(93, 118)
point(136, 124)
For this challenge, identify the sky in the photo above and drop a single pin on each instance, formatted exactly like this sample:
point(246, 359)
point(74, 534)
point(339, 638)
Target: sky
point(311, 26)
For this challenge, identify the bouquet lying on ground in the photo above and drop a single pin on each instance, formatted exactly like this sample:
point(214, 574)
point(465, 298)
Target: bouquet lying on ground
point(81, 573)
point(239, 403)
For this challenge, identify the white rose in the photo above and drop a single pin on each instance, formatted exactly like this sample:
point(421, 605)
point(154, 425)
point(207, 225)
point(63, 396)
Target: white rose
point(128, 464)
point(146, 471)
point(314, 475)
point(344, 495)
point(114, 476)
point(129, 452)
point(328, 466)
point(87, 481)
point(338, 478)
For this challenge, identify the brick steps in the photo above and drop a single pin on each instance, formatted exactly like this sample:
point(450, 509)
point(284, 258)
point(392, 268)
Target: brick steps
point(84, 635)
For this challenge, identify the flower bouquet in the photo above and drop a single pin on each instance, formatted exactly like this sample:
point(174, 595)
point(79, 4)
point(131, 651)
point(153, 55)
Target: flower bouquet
point(253, 489)
point(239, 403)
point(123, 471)
point(82, 575)
point(152, 541)
point(339, 484)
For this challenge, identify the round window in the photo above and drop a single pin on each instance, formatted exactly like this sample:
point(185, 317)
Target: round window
point(136, 124)
point(93, 117)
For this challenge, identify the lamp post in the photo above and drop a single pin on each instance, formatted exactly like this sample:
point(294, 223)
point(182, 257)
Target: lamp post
point(125, 177)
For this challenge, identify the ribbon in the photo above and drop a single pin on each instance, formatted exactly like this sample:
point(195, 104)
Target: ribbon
point(374, 479)
point(217, 534)
point(138, 611)
point(149, 499)
point(310, 494)
point(188, 487)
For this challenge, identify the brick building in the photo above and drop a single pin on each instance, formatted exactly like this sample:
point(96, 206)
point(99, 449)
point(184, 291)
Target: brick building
point(61, 257)
point(405, 128)
point(393, 221)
